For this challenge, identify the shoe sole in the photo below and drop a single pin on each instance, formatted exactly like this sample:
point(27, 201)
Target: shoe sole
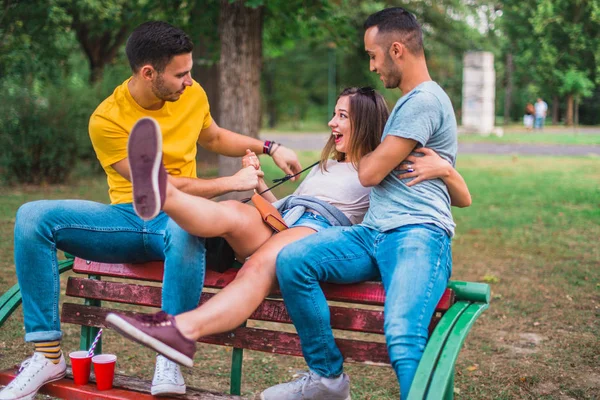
point(31, 395)
point(133, 333)
point(144, 150)
point(167, 390)
point(262, 397)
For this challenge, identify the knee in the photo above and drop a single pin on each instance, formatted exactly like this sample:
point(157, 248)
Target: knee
point(255, 271)
point(290, 264)
point(31, 216)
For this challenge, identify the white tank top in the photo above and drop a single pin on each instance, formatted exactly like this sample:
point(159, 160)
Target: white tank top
point(340, 187)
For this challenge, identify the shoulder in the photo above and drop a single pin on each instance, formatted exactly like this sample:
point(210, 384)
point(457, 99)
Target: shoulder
point(107, 113)
point(197, 92)
point(423, 97)
point(110, 108)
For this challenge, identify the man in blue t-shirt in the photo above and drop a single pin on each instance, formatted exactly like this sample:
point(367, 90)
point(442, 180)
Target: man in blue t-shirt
point(405, 236)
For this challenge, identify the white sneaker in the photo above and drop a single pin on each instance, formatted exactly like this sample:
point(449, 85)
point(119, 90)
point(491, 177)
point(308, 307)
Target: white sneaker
point(34, 373)
point(167, 378)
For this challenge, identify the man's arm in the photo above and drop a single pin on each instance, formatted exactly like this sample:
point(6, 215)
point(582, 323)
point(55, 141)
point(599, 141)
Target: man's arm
point(245, 179)
point(375, 166)
point(228, 143)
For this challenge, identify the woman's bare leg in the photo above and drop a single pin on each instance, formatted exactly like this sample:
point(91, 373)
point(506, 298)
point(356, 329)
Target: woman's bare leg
point(229, 308)
point(240, 224)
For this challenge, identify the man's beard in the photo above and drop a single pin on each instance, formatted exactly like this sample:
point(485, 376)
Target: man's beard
point(393, 74)
point(161, 92)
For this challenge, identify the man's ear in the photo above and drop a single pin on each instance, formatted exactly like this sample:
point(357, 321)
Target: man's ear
point(396, 50)
point(148, 72)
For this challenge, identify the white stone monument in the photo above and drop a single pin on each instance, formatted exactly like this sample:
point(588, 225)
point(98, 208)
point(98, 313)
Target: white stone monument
point(479, 93)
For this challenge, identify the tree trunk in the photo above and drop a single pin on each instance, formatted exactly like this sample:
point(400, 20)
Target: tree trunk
point(100, 49)
point(508, 89)
point(206, 72)
point(96, 71)
point(555, 109)
point(270, 98)
point(569, 116)
point(240, 32)
point(576, 112)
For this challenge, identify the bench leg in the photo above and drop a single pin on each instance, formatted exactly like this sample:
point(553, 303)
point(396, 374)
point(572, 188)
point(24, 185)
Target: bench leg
point(235, 380)
point(88, 333)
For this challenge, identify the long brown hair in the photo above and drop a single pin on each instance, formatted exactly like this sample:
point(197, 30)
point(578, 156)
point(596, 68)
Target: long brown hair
point(368, 114)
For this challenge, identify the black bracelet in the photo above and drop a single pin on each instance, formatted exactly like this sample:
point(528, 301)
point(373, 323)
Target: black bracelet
point(275, 149)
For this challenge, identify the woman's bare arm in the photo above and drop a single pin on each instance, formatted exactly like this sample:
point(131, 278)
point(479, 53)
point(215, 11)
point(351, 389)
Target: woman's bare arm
point(432, 166)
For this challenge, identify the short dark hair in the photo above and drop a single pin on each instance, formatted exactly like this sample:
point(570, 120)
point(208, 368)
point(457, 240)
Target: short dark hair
point(398, 20)
point(156, 43)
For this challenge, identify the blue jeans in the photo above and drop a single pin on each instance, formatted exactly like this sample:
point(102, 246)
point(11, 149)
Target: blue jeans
point(104, 233)
point(414, 262)
point(311, 220)
point(539, 122)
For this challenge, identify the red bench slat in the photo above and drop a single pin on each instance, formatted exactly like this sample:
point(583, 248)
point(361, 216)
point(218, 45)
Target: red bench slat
point(66, 389)
point(360, 293)
point(345, 318)
point(360, 320)
point(248, 338)
point(150, 271)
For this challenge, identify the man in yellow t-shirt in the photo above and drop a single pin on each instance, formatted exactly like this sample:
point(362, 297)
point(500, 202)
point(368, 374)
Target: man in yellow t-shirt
point(161, 87)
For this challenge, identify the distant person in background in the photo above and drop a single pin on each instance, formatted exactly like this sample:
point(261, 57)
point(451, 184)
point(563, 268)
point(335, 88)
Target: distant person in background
point(528, 117)
point(541, 109)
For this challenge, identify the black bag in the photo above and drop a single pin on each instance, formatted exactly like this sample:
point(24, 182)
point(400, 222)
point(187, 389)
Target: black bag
point(219, 254)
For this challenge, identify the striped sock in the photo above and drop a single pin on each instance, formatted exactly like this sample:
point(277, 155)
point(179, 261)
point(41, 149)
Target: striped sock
point(51, 350)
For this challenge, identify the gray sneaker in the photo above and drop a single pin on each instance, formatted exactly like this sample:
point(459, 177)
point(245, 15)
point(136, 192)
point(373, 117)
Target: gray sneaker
point(308, 386)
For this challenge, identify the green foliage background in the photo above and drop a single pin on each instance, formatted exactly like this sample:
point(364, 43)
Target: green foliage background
point(60, 58)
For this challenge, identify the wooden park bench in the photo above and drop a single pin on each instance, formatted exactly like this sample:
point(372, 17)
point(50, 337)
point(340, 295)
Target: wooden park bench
point(456, 312)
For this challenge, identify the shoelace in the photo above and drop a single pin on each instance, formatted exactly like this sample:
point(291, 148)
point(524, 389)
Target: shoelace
point(25, 364)
point(21, 377)
point(153, 319)
point(163, 367)
point(301, 379)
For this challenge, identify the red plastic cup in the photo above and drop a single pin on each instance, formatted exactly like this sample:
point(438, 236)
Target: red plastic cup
point(81, 363)
point(104, 367)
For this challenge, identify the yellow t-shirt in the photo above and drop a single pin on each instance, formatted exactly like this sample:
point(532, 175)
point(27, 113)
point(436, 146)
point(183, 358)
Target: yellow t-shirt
point(180, 122)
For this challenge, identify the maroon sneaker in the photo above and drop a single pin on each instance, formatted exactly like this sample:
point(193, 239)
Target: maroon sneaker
point(148, 174)
point(158, 332)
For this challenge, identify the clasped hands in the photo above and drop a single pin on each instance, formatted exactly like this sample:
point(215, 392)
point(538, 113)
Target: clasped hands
point(428, 166)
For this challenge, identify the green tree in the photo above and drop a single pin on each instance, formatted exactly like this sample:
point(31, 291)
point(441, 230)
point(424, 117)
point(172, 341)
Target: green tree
point(34, 44)
point(550, 37)
point(575, 85)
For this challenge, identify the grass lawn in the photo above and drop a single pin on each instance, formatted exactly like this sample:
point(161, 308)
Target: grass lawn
point(532, 232)
point(522, 137)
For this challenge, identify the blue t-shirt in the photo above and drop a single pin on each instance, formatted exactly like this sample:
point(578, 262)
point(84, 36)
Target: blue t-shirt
point(424, 114)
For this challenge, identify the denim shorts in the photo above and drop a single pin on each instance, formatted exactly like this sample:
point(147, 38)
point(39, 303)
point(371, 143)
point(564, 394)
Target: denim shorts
point(312, 221)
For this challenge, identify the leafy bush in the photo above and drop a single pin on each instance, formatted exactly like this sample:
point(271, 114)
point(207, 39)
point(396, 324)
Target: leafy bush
point(42, 137)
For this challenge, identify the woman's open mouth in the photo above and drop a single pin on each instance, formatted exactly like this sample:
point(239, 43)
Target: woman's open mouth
point(338, 136)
